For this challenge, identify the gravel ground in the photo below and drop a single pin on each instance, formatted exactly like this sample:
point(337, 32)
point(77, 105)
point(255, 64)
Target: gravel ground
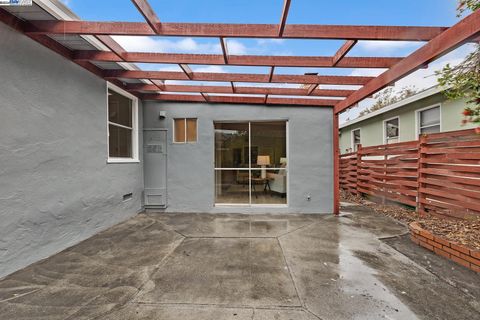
point(466, 232)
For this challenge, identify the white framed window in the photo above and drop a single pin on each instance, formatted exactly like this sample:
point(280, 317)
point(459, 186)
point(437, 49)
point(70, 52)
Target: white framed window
point(185, 130)
point(356, 139)
point(429, 120)
point(391, 130)
point(122, 125)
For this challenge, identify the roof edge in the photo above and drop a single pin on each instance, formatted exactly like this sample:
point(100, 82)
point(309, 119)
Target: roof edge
point(419, 96)
point(62, 12)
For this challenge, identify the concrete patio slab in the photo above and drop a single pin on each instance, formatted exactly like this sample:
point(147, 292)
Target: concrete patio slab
point(230, 266)
point(234, 226)
point(233, 272)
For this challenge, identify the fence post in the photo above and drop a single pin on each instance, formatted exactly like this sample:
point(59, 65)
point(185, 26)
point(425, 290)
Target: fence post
point(357, 167)
point(385, 158)
point(422, 141)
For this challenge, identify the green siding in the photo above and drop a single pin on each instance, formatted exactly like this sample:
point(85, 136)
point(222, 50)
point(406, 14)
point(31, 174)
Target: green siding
point(452, 116)
point(372, 129)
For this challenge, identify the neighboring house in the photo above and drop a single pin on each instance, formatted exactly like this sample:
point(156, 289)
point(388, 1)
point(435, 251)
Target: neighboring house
point(426, 112)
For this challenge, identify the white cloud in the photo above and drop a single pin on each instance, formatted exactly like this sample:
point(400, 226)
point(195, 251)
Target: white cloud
point(387, 46)
point(364, 72)
point(149, 44)
point(269, 41)
point(169, 68)
point(185, 45)
point(213, 69)
point(236, 47)
point(192, 45)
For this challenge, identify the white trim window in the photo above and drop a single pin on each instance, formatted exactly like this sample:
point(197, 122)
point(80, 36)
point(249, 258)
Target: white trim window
point(391, 130)
point(122, 125)
point(356, 139)
point(185, 130)
point(429, 120)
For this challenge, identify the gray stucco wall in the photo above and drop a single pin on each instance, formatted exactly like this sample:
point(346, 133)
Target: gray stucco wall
point(190, 176)
point(56, 188)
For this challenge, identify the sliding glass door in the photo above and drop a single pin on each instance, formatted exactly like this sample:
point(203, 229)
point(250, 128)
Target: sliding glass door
point(251, 163)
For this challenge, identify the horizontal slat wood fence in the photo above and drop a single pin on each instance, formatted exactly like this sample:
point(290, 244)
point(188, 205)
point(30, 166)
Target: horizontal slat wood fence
point(348, 172)
point(438, 174)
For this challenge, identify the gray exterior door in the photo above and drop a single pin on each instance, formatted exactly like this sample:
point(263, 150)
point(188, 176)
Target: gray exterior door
point(155, 167)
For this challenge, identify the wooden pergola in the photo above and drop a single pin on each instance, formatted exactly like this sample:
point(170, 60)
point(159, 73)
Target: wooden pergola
point(439, 41)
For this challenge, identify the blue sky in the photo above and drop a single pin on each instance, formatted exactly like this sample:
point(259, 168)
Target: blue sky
point(392, 12)
point(353, 12)
point(364, 12)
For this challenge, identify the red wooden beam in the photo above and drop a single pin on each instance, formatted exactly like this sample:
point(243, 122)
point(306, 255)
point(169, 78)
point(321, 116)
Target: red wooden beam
point(311, 89)
point(270, 76)
point(349, 32)
point(303, 102)
point(403, 33)
point(237, 77)
point(239, 90)
point(342, 52)
point(283, 19)
point(241, 99)
point(174, 97)
point(313, 61)
point(331, 93)
point(186, 69)
point(159, 83)
point(240, 60)
point(342, 80)
point(113, 45)
point(205, 97)
point(147, 12)
point(224, 50)
point(462, 32)
point(154, 75)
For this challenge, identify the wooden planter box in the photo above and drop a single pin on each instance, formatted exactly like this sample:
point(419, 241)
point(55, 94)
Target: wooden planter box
point(456, 252)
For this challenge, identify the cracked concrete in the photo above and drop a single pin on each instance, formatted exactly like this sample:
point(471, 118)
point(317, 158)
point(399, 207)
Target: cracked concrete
point(231, 266)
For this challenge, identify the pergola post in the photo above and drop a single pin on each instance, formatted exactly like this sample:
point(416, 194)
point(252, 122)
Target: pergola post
point(336, 165)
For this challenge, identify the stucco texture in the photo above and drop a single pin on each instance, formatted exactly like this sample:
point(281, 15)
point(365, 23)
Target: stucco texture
point(56, 188)
point(190, 174)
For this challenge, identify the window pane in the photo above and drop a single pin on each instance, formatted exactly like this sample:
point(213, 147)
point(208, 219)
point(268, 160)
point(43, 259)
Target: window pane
point(232, 186)
point(191, 130)
point(269, 190)
point(356, 136)
point(432, 129)
point(356, 139)
point(119, 109)
point(119, 142)
point(270, 141)
point(430, 117)
point(391, 128)
point(179, 130)
point(231, 145)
